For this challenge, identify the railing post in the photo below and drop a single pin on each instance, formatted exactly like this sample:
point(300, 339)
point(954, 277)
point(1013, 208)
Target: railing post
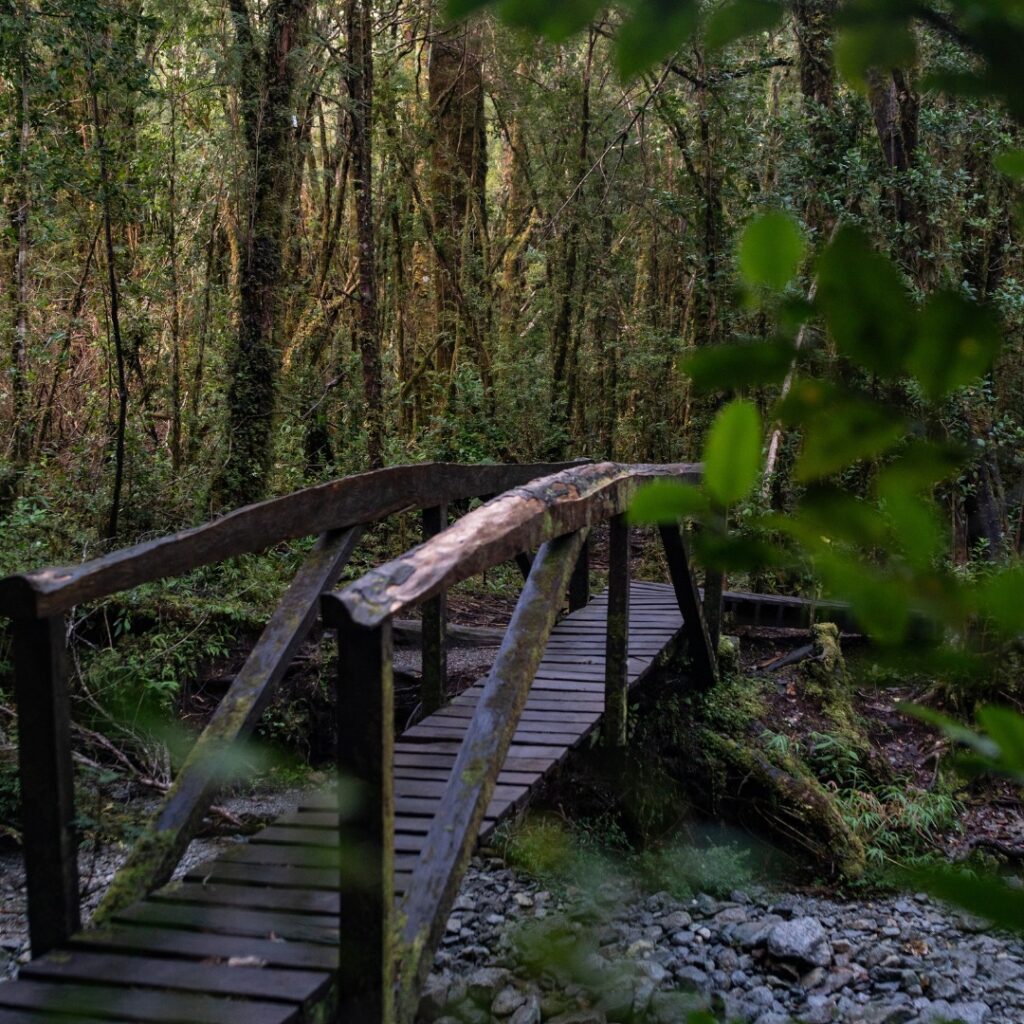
point(579, 582)
point(703, 656)
point(47, 781)
point(434, 647)
point(365, 715)
point(616, 651)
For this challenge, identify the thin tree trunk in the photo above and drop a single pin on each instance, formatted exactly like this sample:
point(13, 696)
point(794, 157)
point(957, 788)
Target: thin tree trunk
point(359, 79)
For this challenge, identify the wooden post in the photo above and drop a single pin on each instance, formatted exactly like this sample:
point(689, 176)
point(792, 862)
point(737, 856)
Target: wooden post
point(579, 582)
point(616, 651)
point(365, 714)
point(47, 781)
point(434, 645)
point(703, 656)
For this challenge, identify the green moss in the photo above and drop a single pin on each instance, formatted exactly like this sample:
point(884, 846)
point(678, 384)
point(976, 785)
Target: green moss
point(138, 874)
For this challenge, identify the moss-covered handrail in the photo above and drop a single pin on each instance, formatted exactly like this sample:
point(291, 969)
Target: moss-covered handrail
point(38, 602)
point(515, 522)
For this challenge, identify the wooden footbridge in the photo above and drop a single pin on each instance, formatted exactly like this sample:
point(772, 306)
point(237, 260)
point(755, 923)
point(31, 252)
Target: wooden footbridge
point(335, 910)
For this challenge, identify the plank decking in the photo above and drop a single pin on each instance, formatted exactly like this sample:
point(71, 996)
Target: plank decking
point(251, 936)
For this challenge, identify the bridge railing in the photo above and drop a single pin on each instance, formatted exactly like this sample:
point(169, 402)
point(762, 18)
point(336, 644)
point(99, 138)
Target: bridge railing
point(387, 949)
point(38, 604)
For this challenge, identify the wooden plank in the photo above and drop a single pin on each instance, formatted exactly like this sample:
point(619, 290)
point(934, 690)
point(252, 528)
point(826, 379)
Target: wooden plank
point(209, 764)
point(254, 982)
point(193, 945)
point(291, 855)
point(284, 876)
point(129, 1004)
point(252, 897)
point(455, 828)
point(28, 1017)
point(262, 924)
point(47, 782)
point(337, 505)
point(617, 640)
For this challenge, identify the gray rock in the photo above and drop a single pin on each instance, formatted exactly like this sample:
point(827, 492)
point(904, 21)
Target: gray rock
point(528, 1013)
point(803, 939)
point(675, 921)
point(485, 983)
point(507, 1001)
point(433, 998)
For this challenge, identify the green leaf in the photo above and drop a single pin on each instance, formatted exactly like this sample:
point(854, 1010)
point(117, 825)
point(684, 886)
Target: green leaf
point(739, 364)
point(1005, 727)
point(915, 527)
point(667, 501)
point(1011, 163)
point(880, 603)
point(771, 249)
point(985, 896)
point(876, 45)
point(732, 453)
point(1001, 598)
point(848, 432)
point(738, 554)
point(827, 515)
point(865, 304)
point(920, 466)
point(955, 730)
point(654, 29)
point(740, 18)
point(456, 9)
point(956, 343)
point(555, 21)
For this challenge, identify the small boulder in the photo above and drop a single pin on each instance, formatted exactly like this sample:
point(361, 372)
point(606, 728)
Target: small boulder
point(803, 939)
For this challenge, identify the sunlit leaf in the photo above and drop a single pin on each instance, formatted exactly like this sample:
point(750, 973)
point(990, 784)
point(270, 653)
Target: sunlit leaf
point(739, 364)
point(653, 30)
point(732, 453)
point(667, 501)
point(738, 19)
point(865, 304)
point(956, 343)
point(771, 249)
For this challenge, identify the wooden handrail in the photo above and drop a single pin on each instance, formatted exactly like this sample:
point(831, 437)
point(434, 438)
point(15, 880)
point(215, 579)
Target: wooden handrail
point(362, 498)
point(515, 522)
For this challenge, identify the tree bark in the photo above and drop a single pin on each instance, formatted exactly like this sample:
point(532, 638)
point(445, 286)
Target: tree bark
point(267, 77)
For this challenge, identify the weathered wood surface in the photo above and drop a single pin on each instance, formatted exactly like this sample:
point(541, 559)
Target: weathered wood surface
point(434, 646)
point(616, 651)
point(272, 903)
point(47, 782)
point(337, 505)
point(520, 520)
point(214, 759)
point(486, 739)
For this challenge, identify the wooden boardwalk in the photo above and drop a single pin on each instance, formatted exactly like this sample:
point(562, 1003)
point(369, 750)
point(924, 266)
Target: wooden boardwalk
point(251, 937)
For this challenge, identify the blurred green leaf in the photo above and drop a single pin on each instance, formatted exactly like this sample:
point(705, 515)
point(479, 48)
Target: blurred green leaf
point(827, 514)
point(738, 19)
point(1011, 163)
point(956, 343)
point(848, 432)
point(920, 466)
point(880, 603)
point(865, 304)
point(736, 553)
point(771, 249)
point(862, 48)
point(667, 501)
point(985, 896)
point(738, 364)
point(1000, 596)
point(555, 21)
point(1005, 727)
point(653, 30)
point(915, 525)
point(732, 453)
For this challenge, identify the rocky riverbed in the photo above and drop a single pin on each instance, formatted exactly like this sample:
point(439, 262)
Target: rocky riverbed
point(515, 952)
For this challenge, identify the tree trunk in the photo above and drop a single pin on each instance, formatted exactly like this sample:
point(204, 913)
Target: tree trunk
point(359, 79)
point(267, 90)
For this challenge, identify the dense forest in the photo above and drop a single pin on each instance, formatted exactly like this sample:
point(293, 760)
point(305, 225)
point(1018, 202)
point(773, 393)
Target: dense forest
point(250, 248)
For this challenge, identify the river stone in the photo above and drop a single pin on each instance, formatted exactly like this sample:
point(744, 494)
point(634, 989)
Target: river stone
point(507, 1001)
point(528, 1013)
point(802, 939)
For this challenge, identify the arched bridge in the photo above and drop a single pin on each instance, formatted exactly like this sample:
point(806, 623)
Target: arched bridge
point(335, 910)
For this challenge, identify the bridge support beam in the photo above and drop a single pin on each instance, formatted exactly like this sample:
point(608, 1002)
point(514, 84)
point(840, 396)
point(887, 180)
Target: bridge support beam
point(616, 655)
point(365, 710)
point(47, 781)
